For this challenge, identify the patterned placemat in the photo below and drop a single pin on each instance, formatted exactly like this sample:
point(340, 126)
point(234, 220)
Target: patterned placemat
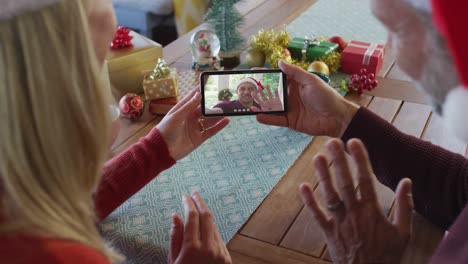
point(233, 171)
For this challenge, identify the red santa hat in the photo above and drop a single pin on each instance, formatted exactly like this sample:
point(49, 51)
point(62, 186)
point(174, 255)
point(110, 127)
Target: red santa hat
point(13, 8)
point(450, 18)
point(251, 80)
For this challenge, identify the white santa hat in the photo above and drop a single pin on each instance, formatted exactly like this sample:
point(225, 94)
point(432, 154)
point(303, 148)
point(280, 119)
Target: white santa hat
point(13, 8)
point(450, 18)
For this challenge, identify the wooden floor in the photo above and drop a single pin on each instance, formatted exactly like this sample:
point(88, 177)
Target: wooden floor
point(281, 230)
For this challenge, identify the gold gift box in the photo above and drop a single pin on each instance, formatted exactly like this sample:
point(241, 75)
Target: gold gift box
point(126, 66)
point(160, 88)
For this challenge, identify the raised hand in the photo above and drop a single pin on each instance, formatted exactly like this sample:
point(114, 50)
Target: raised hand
point(314, 107)
point(197, 241)
point(268, 102)
point(355, 228)
point(182, 128)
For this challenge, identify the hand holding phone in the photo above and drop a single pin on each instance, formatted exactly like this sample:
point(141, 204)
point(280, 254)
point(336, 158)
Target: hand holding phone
point(246, 92)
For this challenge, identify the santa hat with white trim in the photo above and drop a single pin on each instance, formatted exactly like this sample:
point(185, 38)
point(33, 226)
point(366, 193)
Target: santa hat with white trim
point(13, 8)
point(251, 80)
point(450, 18)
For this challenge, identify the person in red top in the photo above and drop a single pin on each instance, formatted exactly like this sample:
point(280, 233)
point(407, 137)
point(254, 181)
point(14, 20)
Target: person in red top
point(55, 133)
point(429, 39)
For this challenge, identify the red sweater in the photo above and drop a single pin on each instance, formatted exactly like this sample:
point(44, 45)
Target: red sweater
point(123, 176)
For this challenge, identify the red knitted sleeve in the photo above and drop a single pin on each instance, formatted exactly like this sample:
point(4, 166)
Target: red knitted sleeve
point(439, 176)
point(127, 173)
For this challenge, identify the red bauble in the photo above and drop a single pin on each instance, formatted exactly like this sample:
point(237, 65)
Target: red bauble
point(131, 106)
point(340, 41)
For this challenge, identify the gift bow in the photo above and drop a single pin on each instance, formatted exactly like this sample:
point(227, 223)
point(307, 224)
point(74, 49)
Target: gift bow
point(160, 71)
point(309, 41)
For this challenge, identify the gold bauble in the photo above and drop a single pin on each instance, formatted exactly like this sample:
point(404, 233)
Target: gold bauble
point(255, 58)
point(319, 66)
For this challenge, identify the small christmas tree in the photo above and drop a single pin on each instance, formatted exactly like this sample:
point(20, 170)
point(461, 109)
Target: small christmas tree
point(225, 20)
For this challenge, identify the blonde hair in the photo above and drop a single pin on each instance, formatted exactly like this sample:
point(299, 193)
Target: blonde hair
point(54, 125)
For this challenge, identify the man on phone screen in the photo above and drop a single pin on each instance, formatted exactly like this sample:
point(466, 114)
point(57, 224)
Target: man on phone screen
point(244, 90)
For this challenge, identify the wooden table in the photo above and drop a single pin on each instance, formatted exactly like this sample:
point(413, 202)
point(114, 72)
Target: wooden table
point(281, 230)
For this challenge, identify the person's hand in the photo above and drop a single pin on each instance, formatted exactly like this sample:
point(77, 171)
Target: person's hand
point(314, 107)
point(267, 102)
point(355, 229)
point(198, 240)
point(406, 29)
point(181, 128)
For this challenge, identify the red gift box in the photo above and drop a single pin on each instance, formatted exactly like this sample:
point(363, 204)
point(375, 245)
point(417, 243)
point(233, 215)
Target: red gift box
point(162, 106)
point(358, 55)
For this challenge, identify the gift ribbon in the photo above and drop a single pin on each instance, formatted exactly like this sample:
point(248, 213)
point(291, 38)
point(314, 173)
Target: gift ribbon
point(160, 71)
point(369, 51)
point(308, 41)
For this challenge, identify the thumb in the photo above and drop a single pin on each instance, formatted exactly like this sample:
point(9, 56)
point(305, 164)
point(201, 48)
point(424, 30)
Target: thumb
point(176, 238)
point(403, 217)
point(296, 73)
point(189, 106)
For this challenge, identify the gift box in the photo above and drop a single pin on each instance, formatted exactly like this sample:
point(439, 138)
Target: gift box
point(162, 106)
point(312, 49)
point(358, 55)
point(161, 82)
point(126, 66)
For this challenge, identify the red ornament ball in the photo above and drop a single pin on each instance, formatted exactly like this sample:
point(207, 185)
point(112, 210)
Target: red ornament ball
point(131, 106)
point(340, 41)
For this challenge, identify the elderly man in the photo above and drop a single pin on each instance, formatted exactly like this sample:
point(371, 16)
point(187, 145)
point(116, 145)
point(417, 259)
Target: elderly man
point(430, 44)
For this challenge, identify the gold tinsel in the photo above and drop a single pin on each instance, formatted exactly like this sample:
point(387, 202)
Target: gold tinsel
point(274, 44)
point(332, 60)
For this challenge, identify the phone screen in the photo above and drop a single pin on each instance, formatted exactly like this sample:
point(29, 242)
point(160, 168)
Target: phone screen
point(248, 92)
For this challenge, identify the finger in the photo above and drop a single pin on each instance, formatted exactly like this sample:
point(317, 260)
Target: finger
point(365, 175)
point(189, 105)
point(207, 234)
point(326, 185)
point(344, 180)
point(297, 73)
point(192, 222)
point(184, 100)
point(176, 237)
point(404, 205)
point(273, 120)
point(256, 98)
point(277, 93)
point(262, 94)
point(255, 109)
point(270, 94)
point(308, 198)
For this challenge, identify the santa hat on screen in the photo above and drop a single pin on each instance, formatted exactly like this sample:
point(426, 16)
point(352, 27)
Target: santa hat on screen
point(257, 84)
point(13, 8)
point(450, 18)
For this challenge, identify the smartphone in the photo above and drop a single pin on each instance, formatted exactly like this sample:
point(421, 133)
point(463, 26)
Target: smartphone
point(243, 92)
